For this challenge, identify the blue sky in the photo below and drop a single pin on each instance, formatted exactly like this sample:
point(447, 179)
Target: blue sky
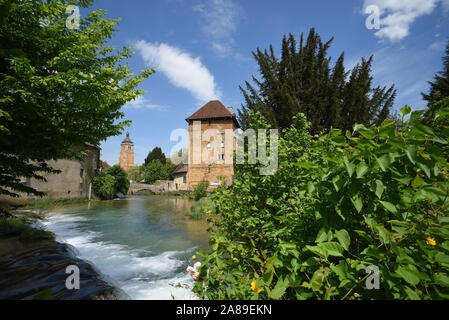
point(201, 50)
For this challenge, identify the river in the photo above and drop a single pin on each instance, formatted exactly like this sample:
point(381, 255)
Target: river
point(141, 244)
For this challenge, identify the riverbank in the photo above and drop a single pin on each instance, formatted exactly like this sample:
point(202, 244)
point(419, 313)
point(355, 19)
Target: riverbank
point(33, 264)
point(36, 270)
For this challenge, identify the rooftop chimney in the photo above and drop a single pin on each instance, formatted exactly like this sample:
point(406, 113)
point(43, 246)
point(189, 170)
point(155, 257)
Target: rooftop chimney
point(230, 109)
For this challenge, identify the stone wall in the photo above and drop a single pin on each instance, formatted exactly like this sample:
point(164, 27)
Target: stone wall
point(73, 181)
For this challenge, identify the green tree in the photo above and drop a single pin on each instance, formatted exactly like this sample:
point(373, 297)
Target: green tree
point(438, 98)
point(58, 87)
point(121, 179)
point(302, 80)
point(104, 186)
point(156, 170)
point(439, 88)
point(155, 154)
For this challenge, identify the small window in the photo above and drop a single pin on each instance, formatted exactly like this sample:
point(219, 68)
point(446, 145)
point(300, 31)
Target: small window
point(208, 145)
point(221, 156)
point(184, 179)
point(81, 176)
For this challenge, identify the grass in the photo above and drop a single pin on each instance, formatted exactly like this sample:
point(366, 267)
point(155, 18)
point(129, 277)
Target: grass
point(19, 226)
point(201, 207)
point(49, 203)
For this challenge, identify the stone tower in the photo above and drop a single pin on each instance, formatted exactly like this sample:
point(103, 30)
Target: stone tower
point(126, 160)
point(210, 144)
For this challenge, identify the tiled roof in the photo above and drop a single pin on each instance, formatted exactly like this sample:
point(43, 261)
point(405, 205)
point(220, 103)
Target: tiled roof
point(127, 139)
point(104, 165)
point(92, 145)
point(181, 168)
point(213, 110)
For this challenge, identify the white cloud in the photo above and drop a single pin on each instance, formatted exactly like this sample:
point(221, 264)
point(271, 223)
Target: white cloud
point(219, 20)
point(141, 102)
point(396, 16)
point(438, 45)
point(182, 70)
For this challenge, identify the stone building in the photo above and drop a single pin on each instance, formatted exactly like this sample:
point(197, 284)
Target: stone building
point(74, 179)
point(211, 144)
point(180, 177)
point(126, 160)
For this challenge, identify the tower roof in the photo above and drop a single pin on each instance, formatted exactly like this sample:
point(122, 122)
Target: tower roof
point(127, 140)
point(213, 110)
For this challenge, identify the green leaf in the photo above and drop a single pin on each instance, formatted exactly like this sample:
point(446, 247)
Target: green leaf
point(338, 183)
point(442, 258)
point(310, 187)
point(361, 169)
point(411, 293)
point(278, 290)
point(408, 275)
point(411, 153)
point(406, 110)
point(425, 168)
point(344, 238)
point(384, 162)
point(357, 202)
point(389, 206)
point(332, 248)
point(350, 167)
point(417, 182)
point(442, 279)
point(322, 235)
point(379, 188)
point(317, 250)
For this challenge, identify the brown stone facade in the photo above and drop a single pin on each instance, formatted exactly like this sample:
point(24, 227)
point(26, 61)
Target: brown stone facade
point(211, 147)
point(126, 160)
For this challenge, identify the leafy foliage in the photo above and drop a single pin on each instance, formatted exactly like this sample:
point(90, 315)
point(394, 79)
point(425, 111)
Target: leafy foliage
point(121, 179)
point(200, 190)
point(156, 170)
point(104, 186)
point(58, 87)
point(303, 81)
point(376, 196)
point(155, 154)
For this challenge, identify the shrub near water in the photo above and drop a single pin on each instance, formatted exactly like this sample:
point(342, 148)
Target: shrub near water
point(337, 205)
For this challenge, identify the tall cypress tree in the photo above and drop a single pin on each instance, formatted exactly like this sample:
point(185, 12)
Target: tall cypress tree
point(303, 80)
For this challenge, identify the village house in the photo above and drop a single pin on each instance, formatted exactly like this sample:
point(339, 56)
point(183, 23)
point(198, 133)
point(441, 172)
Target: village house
point(207, 157)
point(74, 179)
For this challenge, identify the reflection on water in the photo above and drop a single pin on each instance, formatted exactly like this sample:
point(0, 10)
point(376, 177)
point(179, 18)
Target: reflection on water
point(141, 243)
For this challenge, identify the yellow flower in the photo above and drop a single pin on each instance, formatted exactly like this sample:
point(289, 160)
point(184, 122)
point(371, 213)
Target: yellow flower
point(431, 241)
point(193, 257)
point(356, 295)
point(253, 287)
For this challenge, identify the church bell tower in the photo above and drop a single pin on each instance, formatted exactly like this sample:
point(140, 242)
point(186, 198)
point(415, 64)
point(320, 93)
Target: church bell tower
point(126, 160)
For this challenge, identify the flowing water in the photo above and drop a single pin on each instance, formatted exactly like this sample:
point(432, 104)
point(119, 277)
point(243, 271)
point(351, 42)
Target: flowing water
point(142, 245)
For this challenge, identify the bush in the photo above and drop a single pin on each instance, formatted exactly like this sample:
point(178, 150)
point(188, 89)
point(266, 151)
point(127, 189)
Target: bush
point(104, 186)
point(200, 190)
point(121, 179)
point(200, 208)
point(337, 206)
